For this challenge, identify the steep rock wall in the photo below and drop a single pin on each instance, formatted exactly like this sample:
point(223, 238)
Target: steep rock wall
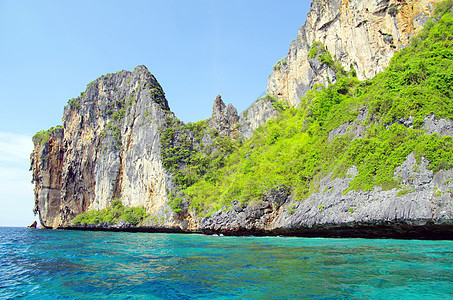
point(363, 34)
point(224, 118)
point(47, 167)
point(423, 209)
point(110, 149)
point(227, 122)
point(256, 115)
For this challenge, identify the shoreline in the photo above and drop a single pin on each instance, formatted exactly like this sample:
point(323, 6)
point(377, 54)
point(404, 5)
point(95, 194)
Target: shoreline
point(379, 230)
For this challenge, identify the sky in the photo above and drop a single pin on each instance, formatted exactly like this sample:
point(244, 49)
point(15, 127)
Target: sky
point(50, 51)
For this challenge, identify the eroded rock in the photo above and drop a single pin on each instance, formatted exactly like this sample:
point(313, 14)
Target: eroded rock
point(224, 118)
point(362, 34)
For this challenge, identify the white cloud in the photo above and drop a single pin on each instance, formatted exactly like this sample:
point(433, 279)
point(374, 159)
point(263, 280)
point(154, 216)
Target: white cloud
point(14, 181)
point(16, 191)
point(15, 147)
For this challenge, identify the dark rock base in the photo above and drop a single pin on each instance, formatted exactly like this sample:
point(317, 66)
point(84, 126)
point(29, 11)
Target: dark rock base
point(393, 230)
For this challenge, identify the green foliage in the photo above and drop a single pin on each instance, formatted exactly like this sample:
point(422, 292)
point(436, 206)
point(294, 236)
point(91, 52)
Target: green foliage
point(316, 49)
point(43, 136)
point(419, 80)
point(175, 202)
point(184, 154)
point(443, 8)
point(110, 215)
point(279, 64)
point(158, 95)
point(319, 51)
point(74, 103)
point(117, 111)
point(130, 101)
point(279, 105)
point(404, 192)
point(293, 151)
point(268, 97)
point(437, 192)
point(91, 83)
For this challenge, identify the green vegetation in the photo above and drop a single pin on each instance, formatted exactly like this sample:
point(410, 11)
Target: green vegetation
point(279, 105)
point(175, 202)
point(92, 82)
point(75, 103)
point(293, 151)
point(130, 101)
point(319, 51)
point(43, 136)
point(114, 125)
point(112, 214)
point(185, 155)
point(158, 95)
point(404, 192)
point(279, 64)
point(437, 192)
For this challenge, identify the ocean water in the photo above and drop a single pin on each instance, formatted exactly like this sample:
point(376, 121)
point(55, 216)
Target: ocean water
point(54, 264)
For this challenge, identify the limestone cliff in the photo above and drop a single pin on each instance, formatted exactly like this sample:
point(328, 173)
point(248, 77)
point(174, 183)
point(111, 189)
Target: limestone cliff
point(423, 209)
point(256, 115)
point(363, 34)
point(227, 122)
point(47, 167)
point(109, 149)
point(224, 118)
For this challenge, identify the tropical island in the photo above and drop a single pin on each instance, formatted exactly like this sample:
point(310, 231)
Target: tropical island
point(353, 139)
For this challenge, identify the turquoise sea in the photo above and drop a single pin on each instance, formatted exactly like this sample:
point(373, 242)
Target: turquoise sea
point(56, 264)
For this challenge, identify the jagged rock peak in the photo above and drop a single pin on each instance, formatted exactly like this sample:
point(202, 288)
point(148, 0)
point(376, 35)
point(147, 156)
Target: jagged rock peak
point(224, 118)
point(119, 83)
point(363, 34)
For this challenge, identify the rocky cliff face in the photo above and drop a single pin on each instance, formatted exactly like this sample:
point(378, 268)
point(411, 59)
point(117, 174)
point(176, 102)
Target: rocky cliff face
point(227, 122)
point(422, 209)
point(110, 149)
point(256, 115)
point(224, 118)
point(363, 34)
point(47, 167)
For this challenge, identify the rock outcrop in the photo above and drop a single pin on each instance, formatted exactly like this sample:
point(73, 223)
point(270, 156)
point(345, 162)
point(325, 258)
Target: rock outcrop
point(109, 149)
point(442, 127)
point(47, 168)
point(255, 116)
point(363, 34)
point(224, 118)
point(422, 209)
point(33, 225)
point(227, 122)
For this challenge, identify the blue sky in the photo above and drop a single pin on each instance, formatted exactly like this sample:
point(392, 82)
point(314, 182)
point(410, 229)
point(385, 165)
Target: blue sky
point(50, 51)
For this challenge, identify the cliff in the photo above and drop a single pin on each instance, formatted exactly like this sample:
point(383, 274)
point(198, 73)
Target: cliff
point(47, 167)
point(359, 34)
point(355, 158)
point(109, 148)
